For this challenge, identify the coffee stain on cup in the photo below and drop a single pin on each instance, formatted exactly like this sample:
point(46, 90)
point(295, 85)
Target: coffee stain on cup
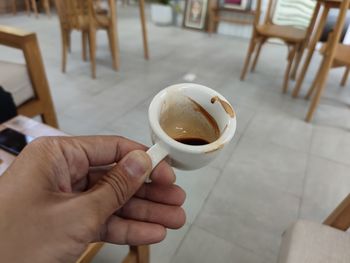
point(218, 147)
point(197, 107)
point(184, 120)
point(227, 107)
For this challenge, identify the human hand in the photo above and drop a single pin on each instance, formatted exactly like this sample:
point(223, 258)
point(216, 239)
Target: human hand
point(56, 198)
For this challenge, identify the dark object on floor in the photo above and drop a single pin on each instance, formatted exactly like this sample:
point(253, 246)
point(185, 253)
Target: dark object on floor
point(7, 106)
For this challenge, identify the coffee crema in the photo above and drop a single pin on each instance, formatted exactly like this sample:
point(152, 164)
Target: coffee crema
point(187, 122)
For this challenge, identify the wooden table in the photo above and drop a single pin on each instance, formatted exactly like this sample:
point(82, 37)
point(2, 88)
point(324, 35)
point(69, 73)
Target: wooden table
point(327, 5)
point(36, 129)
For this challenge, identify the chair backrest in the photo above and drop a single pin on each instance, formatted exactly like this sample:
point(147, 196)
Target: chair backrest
point(28, 43)
point(72, 12)
point(297, 13)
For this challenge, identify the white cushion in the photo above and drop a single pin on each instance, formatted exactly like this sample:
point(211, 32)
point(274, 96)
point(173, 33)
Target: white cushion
point(308, 242)
point(14, 79)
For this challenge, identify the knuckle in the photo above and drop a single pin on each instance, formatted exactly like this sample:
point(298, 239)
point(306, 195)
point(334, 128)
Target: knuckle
point(44, 142)
point(118, 181)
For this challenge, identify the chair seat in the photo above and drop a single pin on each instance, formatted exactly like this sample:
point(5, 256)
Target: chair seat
point(14, 79)
point(287, 33)
point(314, 243)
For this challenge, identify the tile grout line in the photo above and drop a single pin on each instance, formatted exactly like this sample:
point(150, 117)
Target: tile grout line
point(206, 199)
point(211, 190)
point(306, 172)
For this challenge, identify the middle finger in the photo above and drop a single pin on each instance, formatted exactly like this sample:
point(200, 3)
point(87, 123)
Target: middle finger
point(147, 211)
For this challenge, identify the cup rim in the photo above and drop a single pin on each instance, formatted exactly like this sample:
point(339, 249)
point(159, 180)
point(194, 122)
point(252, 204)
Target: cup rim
point(225, 137)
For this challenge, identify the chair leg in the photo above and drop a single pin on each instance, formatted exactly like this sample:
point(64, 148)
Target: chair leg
point(113, 44)
point(211, 23)
point(310, 53)
point(144, 30)
point(35, 8)
point(248, 56)
point(27, 4)
point(69, 43)
point(345, 76)
point(64, 50)
point(92, 46)
point(46, 5)
point(14, 7)
point(84, 40)
point(90, 253)
point(260, 44)
point(314, 84)
point(142, 253)
point(299, 55)
point(319, 86)
point(316, 99)
point(291, 56)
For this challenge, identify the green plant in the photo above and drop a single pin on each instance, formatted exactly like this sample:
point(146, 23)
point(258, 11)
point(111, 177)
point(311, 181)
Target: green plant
point(177, 8)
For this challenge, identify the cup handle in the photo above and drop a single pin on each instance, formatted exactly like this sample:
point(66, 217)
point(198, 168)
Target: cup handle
point(157, 153)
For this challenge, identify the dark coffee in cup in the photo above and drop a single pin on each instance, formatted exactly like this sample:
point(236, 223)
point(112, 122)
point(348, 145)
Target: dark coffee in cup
point(193, 141)
point(187, 122)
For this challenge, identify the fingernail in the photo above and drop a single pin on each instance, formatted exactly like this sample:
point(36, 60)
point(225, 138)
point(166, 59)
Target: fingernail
point(136, 164)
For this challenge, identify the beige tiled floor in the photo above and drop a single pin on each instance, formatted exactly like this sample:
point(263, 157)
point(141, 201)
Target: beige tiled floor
point(277, 169)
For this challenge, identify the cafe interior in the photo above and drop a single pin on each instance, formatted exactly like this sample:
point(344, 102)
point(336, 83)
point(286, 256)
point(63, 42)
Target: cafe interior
point(279, 191)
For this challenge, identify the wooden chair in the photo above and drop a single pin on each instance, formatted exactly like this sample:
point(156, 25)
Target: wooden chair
point(141, 4)
point(14, 7)
point(315, 243)
point(40, 103)
point(81, 15)
point(31, 4)
point(345, 76)
point(334, 55)
point(137, 254)
point(295, 39)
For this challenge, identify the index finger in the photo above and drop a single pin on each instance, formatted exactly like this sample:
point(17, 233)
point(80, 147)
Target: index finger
point(106, 150)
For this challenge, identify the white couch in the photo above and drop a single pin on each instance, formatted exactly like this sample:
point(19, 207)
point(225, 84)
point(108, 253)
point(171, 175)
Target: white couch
point(309, 242)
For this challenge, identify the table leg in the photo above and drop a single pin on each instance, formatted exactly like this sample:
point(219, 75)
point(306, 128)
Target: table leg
point(345, 77)
point(144, 30)
point(311, 50)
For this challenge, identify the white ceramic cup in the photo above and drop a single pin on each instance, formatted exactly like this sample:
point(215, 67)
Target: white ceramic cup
point(183, 100)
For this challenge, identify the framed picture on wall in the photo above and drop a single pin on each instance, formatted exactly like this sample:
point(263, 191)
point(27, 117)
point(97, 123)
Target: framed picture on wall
point(196, 14)
point(237, 4)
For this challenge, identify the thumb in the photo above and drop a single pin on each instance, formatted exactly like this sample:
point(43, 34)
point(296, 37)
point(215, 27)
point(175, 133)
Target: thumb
point(120, 183)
